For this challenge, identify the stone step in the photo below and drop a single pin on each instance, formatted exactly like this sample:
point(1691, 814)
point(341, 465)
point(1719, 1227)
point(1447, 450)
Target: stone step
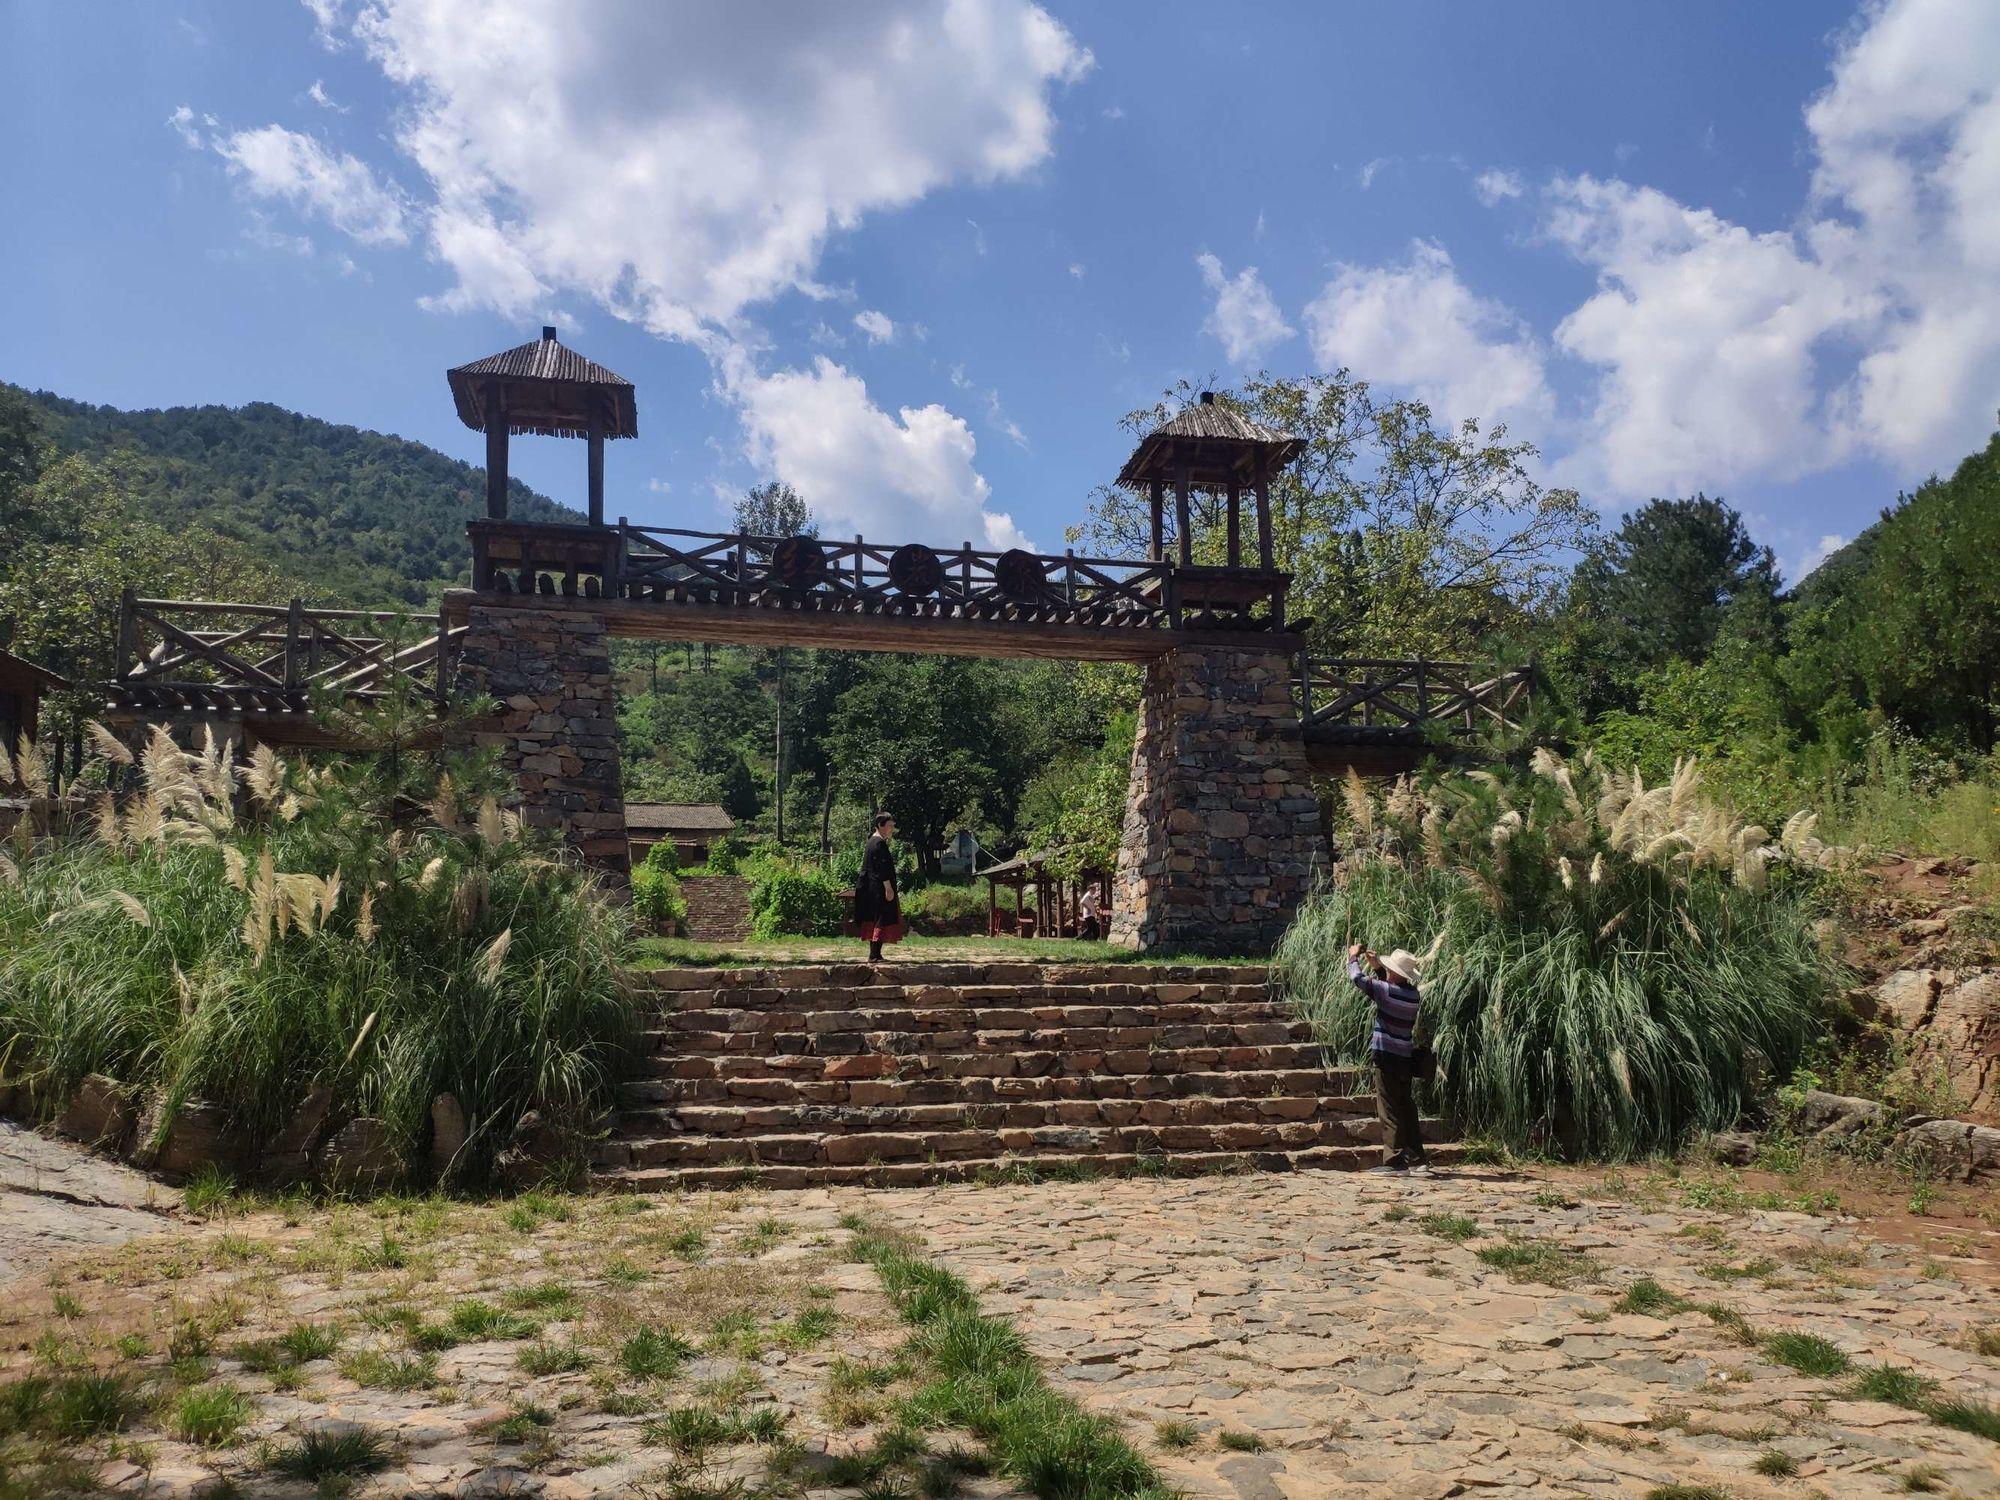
point(1031, 1037)
point(900, 1092)
point(926, 972)
point(1000, 1016)
point(832, 999)
point(855, 1148)
point(759, 1119)
point(1002, 1062)
point(1004, 1170)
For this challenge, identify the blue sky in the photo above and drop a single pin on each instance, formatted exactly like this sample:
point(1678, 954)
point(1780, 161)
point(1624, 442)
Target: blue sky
point(919, 258)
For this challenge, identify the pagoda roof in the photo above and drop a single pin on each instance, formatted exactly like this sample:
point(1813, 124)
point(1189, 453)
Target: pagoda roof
point(548, 388)
point(1218, 445)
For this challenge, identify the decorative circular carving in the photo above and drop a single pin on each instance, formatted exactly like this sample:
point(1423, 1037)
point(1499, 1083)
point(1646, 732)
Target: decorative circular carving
point(915, 569)
point(798, 562)
point(1020, 575)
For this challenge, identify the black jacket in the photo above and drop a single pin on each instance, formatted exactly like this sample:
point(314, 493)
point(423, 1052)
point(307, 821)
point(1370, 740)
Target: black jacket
point(877, 865)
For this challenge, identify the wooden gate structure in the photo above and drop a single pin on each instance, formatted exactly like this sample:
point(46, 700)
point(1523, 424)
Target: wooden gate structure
point(1222, 831)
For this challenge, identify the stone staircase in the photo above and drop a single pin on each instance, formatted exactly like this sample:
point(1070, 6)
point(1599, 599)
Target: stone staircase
point(718, 908)
point(924, 1072)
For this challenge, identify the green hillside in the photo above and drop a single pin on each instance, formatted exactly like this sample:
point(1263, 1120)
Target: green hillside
point(370, 519)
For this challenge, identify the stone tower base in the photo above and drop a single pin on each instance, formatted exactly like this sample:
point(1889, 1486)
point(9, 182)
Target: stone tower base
point(1222, 833)
point(556, 728)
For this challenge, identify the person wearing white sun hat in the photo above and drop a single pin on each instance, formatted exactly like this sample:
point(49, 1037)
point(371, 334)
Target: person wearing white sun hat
point(1392, 988)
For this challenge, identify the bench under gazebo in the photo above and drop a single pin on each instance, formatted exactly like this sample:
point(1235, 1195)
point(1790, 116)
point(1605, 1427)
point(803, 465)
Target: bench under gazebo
point(1057, 909)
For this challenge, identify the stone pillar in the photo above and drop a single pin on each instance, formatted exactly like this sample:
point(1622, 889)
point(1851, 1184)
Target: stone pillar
point(1222, 832)
point(556, 725)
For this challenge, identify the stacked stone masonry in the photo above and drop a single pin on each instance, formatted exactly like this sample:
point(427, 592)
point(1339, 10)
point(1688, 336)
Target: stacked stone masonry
point(556, 723)
point(1222, 833)
point(920, 1072)
point(718, 908)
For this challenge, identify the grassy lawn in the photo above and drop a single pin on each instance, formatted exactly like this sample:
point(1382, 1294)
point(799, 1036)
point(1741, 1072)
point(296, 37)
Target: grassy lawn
point(729, 1344)
point(656, 953)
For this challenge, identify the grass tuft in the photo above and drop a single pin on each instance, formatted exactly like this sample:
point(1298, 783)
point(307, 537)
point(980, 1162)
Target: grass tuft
point(322, 1455)
point(1807, 1353)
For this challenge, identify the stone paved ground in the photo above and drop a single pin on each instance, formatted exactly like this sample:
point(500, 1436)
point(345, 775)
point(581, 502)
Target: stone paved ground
point(1323, 1319)
point(55, 1200)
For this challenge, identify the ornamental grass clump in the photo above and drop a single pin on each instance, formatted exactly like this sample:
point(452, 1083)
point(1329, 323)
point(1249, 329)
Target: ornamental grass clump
point(240, 936)
point(1613, 967)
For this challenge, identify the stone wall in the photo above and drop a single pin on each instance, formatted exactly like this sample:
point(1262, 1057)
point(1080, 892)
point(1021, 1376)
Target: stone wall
point(556, 728)
point(1222, 832)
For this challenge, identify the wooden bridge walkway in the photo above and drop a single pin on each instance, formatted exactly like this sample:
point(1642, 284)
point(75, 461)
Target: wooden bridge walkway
point(272, 666)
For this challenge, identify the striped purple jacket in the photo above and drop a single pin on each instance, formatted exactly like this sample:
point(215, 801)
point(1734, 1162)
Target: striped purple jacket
point(1395, 1011)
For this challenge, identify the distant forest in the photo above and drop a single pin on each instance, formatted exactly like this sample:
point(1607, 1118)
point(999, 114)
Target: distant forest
point(369, 519)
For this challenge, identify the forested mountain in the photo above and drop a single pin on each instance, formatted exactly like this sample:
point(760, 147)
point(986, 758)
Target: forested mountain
point(369, 519)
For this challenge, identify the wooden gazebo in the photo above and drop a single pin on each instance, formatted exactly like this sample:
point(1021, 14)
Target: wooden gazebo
point(1209, 447)
point(1058, 899)
point(548, 389)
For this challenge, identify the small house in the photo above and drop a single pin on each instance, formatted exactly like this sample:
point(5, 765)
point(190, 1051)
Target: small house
point(22, 687)
point(956, 860)
point(691, 827)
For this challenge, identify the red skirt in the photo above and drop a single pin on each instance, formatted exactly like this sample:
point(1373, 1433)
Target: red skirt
point(884, 932)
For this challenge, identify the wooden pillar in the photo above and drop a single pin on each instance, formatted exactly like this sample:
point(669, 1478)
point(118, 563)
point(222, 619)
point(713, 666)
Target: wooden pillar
point(596, 474)
point(1264, 515)
point(496, 455)
point(1181, 507)
point(1235, 524)
point(1159, 496)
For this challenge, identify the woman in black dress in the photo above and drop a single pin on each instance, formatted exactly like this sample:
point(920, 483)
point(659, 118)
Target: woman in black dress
point(876, 908)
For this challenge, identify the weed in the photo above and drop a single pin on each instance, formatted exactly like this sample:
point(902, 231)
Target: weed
point(65, 1306)
point(1732, 1323)
point(524, 1423)
point(470, 1322)
point(1549, 1197)
point(1647, 1298)
point(1775, 1463)
point(620, 1271)
point(531, 1211)
point(655, 1353)
point(1176, 1435)
point(695, 1429)
point(1895, 1385)
point(385, 1372)
point(386, 1254)
point(1924, 1479)
point(1395, 1214)
point(332, 1454)
point(1454, 1227)
point(1524, 1258)
point(1974, 1417)
point(1240, 1442)
point(688, 1244)
point(1687, 1492)
point(548, 1296)
point(807, 1327)
point(306, 1342)
point(210, 1415)
point(554, 1359)
point(1807, 1353)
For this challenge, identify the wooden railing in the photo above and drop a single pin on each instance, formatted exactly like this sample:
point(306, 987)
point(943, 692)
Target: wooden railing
point(665, 565)
point(273, 658)
point(1365, 693)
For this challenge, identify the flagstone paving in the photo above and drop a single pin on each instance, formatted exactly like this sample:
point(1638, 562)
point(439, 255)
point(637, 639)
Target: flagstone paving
point(1321, 1337)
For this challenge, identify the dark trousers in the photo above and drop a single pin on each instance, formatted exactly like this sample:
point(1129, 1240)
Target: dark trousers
point(1396, 1106)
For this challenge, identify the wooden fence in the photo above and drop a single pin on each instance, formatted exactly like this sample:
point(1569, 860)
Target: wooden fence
point(1365, 693)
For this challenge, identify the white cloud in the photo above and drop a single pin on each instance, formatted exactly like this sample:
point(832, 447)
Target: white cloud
point(275, 163)
point(996, 414)
point(318, 94)
point(1418, 327)
point(876, 326)
point(682, 163)
point(1076, 269)
point(1731, 354)
point(1245, 317)
point(860, 469)
point(1113, 112)
point(1495, 185)
point(658, 487)
point(1373, 169)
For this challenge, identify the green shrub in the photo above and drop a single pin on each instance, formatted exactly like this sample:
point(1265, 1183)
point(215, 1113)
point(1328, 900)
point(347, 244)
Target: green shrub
point(1617, 967)
point(243, 959)
point(664, 856)
point(795, 900)
point(657, 900)
point(939, 907)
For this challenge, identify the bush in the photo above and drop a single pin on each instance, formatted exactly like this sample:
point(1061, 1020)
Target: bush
point(244, 961)
point(664, 856)
point(1616, 967)
point(656, 898)
point(794, 900)
point(947, 908)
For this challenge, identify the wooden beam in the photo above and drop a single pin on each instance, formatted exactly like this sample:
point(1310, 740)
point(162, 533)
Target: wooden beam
point(496, 453)
point(1264, 516)
point(1158, 491)
point(1182, 486)
point(1235, 523)
point(596, 474)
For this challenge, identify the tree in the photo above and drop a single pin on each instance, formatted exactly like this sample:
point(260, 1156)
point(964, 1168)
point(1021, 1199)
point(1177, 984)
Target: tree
point(775, 509)
point(1402, 536)
point(1674, 575)
point(913, 737)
